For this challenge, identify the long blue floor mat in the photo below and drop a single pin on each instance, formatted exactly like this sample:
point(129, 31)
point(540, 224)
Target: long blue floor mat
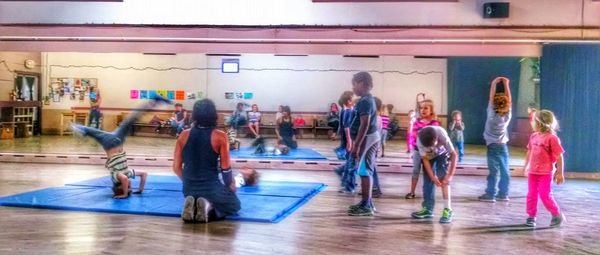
point(295, 154)
point(172, 183)
point(257, 208)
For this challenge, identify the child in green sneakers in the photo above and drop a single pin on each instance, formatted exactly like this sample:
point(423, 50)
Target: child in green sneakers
point(435, 148)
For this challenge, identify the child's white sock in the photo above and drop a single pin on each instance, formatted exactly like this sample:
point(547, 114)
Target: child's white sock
point(447, 201)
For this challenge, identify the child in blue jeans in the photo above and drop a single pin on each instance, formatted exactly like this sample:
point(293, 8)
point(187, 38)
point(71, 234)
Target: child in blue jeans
point(457, 128)
point(112, 143)
point(435, 149)
point(496, 137)
point(345, 171)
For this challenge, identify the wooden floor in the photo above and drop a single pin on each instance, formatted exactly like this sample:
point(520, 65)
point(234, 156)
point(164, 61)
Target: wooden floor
point(319, 227)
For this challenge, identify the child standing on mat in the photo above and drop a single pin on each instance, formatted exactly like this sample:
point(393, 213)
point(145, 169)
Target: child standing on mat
point(495, 134)
point(201, 154)
point(112, 143)
point(457, 128)
point(435, 149)
point(366, 142)
point(254, 121)
point(427, 117)
point(544, 163)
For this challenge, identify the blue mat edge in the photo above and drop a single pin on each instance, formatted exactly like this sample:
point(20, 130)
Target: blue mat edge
point(276, 219)
point(299, 204)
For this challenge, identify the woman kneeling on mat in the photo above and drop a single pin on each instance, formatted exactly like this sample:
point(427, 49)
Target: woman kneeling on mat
point(198, 152)
point(285, 130)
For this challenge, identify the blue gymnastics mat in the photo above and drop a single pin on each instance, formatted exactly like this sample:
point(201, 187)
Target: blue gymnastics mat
point(256, 208)
point(172, 183)
point(294, 154)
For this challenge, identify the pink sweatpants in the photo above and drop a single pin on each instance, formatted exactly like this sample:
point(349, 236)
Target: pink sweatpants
point(540, 185)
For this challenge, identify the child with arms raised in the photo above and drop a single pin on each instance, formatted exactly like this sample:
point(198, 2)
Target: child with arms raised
point(457, 128)
point(495, 134)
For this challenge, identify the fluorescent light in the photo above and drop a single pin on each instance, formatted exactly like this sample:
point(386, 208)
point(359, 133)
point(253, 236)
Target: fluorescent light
point(290, 41)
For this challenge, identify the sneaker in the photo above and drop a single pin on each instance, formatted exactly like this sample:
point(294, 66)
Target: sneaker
point(346, 191)
point(446, 216)
point(159, 98)
point(377, 193)
point(530, 222)
point(203, 207)
point(423, 214)
point(359, 205)
point(486, 198)
point(410, 196)
point(557, 220)
point(360, 210)
point(502, 198)
point(187, 215)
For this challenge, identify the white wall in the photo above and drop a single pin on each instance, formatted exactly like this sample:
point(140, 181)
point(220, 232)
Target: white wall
point(298, 12)
point(115, 84)
point(307, 84)
point(16, 63)
point(316, 81)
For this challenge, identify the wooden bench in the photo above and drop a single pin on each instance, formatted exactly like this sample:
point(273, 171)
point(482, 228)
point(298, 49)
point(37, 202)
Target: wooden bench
point(145, 129)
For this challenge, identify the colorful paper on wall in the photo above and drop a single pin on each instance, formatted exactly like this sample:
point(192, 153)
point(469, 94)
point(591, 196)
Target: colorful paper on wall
point(171, 95)
point(229, 95)
point(179, 95)
point(162, 93)
point(200, 94)
point(152, 94)
point(248, 95)
point(143, 94)
point(134, 94)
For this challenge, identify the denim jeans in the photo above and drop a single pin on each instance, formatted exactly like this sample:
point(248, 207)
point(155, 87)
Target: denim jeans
point(460, 148)
point(110, 140)
point(497, 157)
point(349, 174)
point(177, 127)
point(439, 166)
point(95, 117)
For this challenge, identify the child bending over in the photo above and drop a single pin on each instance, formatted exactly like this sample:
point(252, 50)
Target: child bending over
point(435, 148)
